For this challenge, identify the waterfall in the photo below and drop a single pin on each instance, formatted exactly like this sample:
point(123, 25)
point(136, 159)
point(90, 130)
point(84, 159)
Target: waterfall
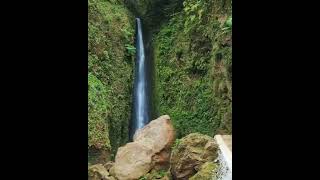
point(224, 171)
point(141, 90)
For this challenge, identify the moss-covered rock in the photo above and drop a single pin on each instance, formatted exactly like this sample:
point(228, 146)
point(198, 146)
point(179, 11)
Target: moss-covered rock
point(190, 153)
point(110, 50)
point(206, 172)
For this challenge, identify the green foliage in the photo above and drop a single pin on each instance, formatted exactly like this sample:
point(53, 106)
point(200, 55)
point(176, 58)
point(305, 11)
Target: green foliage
point(110, 42)
point(206, 172)
point(98, 135)
point(176, 145)
point(131, 49)
point(194, 68)
point(154, 174)
point(193, 13)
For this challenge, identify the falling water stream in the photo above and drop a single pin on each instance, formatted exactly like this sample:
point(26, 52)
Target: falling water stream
point(142, 88)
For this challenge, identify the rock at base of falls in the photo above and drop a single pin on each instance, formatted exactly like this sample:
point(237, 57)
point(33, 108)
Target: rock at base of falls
point(157, 135)
point(150, 149)
point(190, 154)
point(132, 161)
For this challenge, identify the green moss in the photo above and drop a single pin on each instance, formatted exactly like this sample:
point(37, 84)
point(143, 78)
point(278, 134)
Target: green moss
point(110, 49)
point(206, 172)
point(98, 135)
point(176, 145)
point(154, 174)
point(193, 67)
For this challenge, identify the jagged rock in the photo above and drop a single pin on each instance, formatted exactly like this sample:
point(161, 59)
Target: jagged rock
point(206, 172)
point(189, 155)
point(150, 148)
point(159, 134)
point(99, 172)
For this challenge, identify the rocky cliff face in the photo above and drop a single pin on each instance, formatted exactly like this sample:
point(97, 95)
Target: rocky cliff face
point(110, 51)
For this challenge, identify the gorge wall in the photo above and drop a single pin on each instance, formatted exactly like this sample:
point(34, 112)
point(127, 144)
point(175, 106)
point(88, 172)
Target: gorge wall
point(194, 67)
point(191, 44)
point(110, 70)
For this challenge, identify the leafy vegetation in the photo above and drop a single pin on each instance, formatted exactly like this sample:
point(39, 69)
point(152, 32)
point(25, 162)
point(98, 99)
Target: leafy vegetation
point(176, 145)
point(110, 49)
point(98, 135)
point(193, 62)
point(154, 174)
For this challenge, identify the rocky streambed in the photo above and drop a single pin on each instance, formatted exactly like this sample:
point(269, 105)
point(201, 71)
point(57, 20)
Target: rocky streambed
point(155, 153)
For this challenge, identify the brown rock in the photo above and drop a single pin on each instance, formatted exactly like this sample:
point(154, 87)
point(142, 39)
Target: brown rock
point(161, 160)
point(109, 165)
point(111, 171)
point(159, 134)
point(132, 161)
point(150, 149)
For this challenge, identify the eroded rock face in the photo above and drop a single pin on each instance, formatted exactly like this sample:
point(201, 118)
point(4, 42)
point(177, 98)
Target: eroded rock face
point(150, 148)
point(190, 154)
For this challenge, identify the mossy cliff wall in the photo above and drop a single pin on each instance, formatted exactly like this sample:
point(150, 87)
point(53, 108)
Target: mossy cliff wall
point(192, 50)
point(110, 63)
point(194, 67)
